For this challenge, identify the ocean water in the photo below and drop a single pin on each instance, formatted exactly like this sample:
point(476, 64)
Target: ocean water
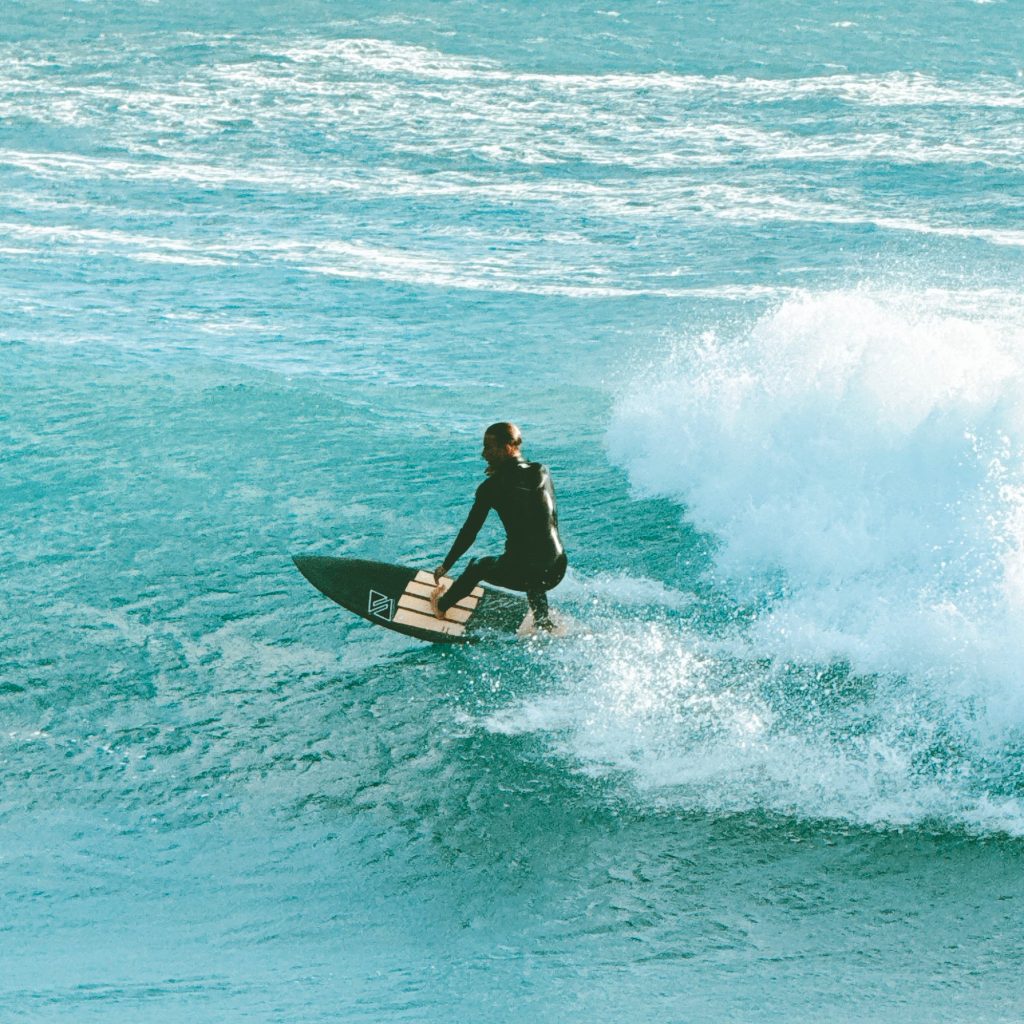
point(749, 277)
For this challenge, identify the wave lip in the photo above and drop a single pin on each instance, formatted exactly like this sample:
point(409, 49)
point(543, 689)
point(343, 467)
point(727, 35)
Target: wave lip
point(864, 453)
point(859, 459)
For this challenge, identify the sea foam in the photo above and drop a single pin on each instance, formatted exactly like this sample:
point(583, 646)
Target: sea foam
point(857, 460)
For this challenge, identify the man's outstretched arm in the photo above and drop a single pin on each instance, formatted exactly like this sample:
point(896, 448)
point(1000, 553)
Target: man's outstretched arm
point(466, 536)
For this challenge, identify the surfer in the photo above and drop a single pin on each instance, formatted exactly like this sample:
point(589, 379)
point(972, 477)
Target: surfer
point(534, 559)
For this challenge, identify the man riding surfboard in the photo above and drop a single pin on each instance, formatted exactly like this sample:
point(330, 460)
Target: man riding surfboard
point(522, 495)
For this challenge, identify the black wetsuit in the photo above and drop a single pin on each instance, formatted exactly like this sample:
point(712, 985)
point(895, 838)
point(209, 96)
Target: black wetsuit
point(534, 559)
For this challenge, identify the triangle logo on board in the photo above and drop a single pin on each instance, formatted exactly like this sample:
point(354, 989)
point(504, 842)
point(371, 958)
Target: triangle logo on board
point(381, 606)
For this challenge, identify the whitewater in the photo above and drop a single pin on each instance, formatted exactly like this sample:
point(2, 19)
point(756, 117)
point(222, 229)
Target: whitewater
point(747, 276)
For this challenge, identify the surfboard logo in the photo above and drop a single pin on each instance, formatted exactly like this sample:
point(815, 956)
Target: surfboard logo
point(381, 606)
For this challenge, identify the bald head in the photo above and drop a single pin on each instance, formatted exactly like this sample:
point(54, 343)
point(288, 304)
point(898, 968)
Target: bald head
point(501, 444)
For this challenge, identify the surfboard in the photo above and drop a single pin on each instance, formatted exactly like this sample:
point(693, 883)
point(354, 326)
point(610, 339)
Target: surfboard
point(397, 597)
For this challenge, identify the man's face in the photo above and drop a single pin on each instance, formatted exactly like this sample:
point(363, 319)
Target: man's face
point(494, 451)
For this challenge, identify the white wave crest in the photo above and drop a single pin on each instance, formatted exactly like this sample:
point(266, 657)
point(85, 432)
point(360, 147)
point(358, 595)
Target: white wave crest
point(866, 457)
point(861, 462)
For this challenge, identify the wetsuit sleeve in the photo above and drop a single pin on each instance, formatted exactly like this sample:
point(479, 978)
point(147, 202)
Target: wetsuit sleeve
point(470, 528)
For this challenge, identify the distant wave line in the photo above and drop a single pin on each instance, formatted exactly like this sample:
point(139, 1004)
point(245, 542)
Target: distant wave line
point(894, 88)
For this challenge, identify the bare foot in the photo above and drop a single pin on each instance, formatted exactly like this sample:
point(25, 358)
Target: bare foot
point(435, 596)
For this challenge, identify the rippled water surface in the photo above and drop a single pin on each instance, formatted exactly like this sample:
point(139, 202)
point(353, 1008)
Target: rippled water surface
point(748, 275)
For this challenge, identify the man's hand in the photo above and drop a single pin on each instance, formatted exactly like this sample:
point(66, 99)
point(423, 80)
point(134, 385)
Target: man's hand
point(440, 571)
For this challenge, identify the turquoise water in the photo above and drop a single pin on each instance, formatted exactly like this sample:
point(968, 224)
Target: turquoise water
point(748, 276)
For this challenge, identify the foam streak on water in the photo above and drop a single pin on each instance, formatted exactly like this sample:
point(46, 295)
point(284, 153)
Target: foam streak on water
point(346, 125)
